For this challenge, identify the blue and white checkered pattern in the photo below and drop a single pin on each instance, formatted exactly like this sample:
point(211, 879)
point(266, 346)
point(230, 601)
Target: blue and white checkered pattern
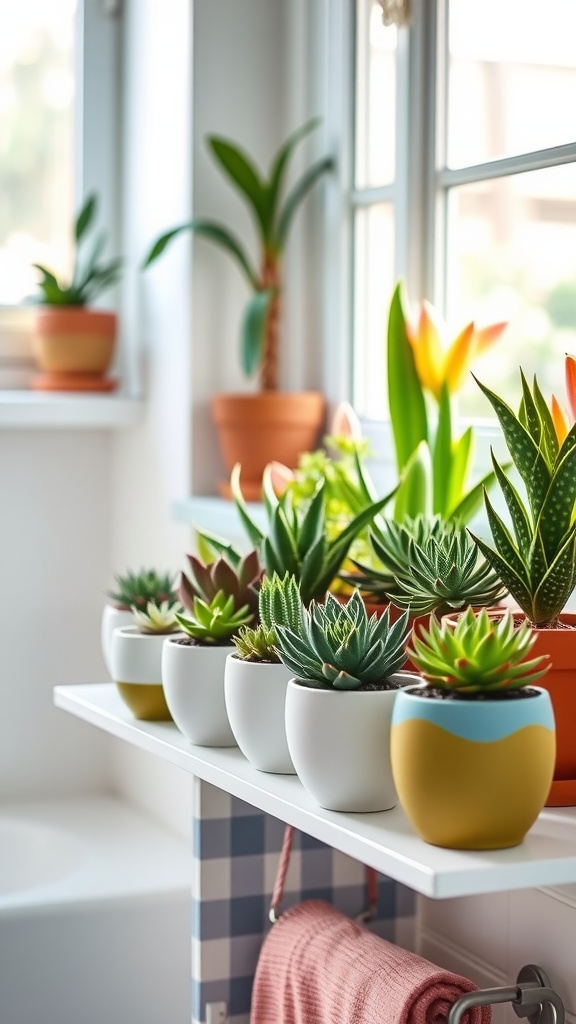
point(236, 850)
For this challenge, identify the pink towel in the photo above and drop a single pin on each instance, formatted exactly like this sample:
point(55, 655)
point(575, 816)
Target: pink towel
point(318, 967)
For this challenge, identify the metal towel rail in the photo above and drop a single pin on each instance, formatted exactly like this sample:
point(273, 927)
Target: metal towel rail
point(532, 996)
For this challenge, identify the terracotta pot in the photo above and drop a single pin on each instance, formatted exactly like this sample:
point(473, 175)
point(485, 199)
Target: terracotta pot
point(472, 775)
point(256, 429)
point(73, 348)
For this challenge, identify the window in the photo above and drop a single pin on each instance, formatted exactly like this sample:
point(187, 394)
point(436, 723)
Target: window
point(58, 104)
point(465, 181)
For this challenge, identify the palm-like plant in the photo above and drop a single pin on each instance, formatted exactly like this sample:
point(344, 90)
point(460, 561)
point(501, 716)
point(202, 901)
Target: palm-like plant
point(339, 647)
point(91, 275)
point(431, 567)
point(476, 654)
point(273, 214)
point(537, 559)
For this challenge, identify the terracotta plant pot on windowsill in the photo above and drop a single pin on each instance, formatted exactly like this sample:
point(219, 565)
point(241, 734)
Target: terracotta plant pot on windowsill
point(254, 430)
point(73, 348)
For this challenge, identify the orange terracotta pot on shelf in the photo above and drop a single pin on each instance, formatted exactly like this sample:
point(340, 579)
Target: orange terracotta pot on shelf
point(73, 348)
point(271, 426)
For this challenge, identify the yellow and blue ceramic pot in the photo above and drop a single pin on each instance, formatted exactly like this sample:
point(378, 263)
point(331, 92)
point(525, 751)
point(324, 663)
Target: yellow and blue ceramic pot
point(472, 775)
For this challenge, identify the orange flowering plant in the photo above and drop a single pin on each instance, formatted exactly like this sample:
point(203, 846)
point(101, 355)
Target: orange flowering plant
point(434, 466)
point(561, 422)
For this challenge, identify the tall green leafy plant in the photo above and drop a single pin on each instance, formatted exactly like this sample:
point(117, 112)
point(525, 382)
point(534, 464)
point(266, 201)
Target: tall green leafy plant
point(536, 558)
point(273, 211)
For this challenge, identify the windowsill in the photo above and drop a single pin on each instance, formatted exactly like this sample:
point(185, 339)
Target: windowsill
point(61, 409)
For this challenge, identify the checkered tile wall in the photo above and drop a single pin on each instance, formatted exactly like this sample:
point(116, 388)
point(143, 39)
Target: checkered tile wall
point(236, 850)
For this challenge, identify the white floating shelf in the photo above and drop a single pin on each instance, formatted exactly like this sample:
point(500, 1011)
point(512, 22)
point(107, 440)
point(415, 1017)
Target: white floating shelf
point(385, 840)
point(35, 409)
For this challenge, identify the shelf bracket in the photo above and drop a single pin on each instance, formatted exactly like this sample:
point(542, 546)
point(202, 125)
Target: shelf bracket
point(532, 996)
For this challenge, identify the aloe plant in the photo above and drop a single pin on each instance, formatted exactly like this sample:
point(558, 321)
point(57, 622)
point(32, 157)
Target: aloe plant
point(339, 647)
point(138, 588)
point(278, 604)
point(273, 214)
point(91, 275)
point(431, 567)
point(476, 654)
point(536, 560)
point(296, 542)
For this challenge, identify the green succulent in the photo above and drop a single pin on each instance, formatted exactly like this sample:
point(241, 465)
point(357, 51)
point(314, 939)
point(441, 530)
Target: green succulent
point(91, 276)
point(390, 545)
point(136, 589)
point(536, 560)
point(214, 622)
point(435, 567)
point(235, 575)
point(278, 604)
point(477, 654)
point(339, 647)
point(296, 542)
point(157, 619)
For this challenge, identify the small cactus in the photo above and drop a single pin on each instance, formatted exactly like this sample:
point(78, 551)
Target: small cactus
point(278, 604)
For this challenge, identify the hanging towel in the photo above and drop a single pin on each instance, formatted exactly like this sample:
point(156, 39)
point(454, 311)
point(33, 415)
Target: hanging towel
point(317, 966)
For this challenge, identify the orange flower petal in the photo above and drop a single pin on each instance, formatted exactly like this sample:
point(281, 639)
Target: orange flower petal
point(460, 355)
point(570, 370)
point(280, 477)
point(486, 336)
point(560, 421)
point(345, 422)
point(428, 353)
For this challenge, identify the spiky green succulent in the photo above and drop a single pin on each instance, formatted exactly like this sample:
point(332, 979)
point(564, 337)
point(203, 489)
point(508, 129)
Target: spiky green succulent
point(339, 647)
point(278, 604)
point(536, 559)
point(297, 540)
point(236, 576)
point(157, 619)
point(477, 654)
point(136, 589)
point(215, 622)
point(431, 566)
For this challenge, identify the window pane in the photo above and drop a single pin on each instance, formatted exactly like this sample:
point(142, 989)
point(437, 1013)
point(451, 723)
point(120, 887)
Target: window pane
point(512, 256)
point(511, 77)
point(36, 98)
point(374, 282)
point(375, 97)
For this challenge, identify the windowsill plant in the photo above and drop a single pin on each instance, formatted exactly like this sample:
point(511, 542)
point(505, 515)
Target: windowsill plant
point(133, 590)
point(473, 749)
point(346, 673)
point(73, 343)
point(255, 429)
point(218, 599)
point(136, 659)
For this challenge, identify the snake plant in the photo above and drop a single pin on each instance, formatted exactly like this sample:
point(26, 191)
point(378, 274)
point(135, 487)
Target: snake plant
point(477, 654)
point(278, 604)
point(536, 559)
point(432, 567)
point(339, 647)
point(220, 597)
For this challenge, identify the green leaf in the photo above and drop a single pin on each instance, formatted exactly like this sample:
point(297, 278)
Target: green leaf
point(312, 524)
point(442, 456)
point(253, 330)
point(210, 544)
point(278, 169)
point(413, 495)
point(462, 456)
point(213, 232)
point(520, 519)
point(283, 543)
point(549, 440)
point(85, 217)
point(405, 395)
point(315, 575)
point(254, 532)
point(296, 197)
point(531, 418)
point(504, 543)
point(511, 580)
point(554, 590)
point(245, 176)
point(558, 509)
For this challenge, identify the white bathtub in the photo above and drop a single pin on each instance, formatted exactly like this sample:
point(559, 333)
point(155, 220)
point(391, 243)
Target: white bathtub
point(94, 916)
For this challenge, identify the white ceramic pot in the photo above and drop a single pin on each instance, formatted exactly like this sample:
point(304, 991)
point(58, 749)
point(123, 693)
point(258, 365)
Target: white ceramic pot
point(136, 668)
point(112, 618)
point(339, 741)
point(255, 694)
point(193, 681)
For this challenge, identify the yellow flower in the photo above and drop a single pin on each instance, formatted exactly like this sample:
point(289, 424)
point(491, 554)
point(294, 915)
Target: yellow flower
point(440, 362)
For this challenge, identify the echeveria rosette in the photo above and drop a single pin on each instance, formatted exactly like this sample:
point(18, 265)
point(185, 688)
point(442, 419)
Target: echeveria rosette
point(296, 541)
point(157, 619)
point(278, 604)
point(477, 654)
point(236, 576)
point(536, 560)
point(433, 468)
point(339, 647)
point(215, 622)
